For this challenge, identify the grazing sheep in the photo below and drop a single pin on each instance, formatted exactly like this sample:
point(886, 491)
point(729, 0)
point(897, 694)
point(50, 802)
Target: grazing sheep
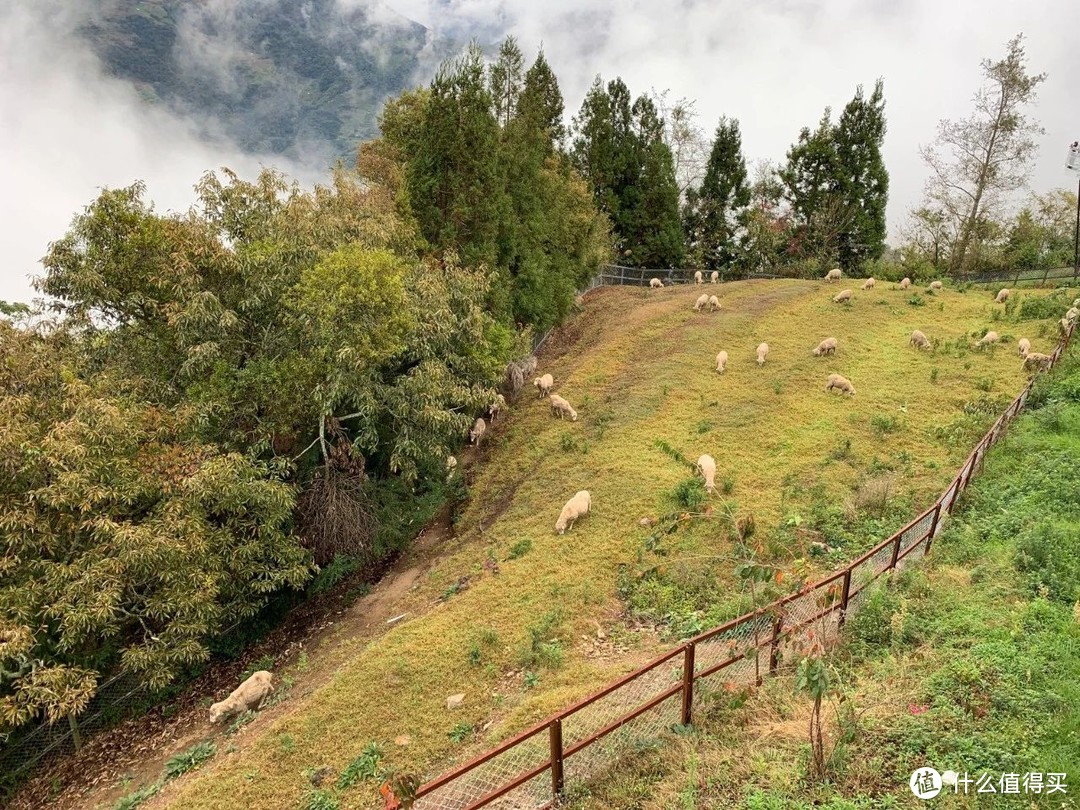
point(451, 465)
point(905, 282)
point(840, 383)
point(706, 465)
point(842, 297)
point(697, 277)
point(577, 506)
point(514, 380)
point(988, 338)
point(1023, 347)
point(827, 346)
point(544, 384)
point(714, 277)
point(721, 361)
point(935, 285)
point(560, 408)
point(762, 353)
point(249, 695)
point(919, 340)
point(714, 303)
point(1076, 303)
point(702, 301)
point(869, 283)
point(655, 283)
point(1002, 296)
point(477, 431)
point(1072, 314)
point(1037, 360)
point(832, 275)
point(496, 406)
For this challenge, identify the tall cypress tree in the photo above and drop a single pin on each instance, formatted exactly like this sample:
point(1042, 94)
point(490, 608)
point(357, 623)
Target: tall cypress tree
point(722, 200)
point(863, 179)
point(811, 179)
point(453, 174)
point(541, 102)
point(505, 77)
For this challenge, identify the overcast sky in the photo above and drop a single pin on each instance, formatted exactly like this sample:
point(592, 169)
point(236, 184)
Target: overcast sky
point(66, 130)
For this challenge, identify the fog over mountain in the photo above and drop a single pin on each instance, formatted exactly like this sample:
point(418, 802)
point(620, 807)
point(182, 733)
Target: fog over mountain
point(103, 92)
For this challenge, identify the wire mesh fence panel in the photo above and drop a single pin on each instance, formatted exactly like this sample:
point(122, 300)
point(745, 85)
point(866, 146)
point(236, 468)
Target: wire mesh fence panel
point(625, 743)
point(494, 774)
point(618, 703)
point(732, 643)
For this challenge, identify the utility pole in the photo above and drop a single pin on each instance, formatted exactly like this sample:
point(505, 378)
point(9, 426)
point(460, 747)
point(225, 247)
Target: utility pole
point(1072, 163)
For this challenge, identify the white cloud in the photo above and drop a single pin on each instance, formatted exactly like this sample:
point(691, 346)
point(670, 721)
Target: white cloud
point(66, 131)
point(776, 64)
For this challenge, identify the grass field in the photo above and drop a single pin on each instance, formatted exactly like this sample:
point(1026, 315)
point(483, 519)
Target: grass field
point(965, 663)
point(523, 621)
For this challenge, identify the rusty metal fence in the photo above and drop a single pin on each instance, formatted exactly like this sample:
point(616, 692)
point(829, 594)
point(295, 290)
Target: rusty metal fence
point(533, 769)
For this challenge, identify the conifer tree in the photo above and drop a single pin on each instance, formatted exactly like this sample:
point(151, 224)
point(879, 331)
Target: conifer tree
point(863, 179)
point(721, 202)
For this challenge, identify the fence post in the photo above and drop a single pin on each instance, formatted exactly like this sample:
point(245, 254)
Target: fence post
point(75, 736)
point(895, 551)
point(774, 646)
point(845, 595)
point(688, 685)
point(555, 738)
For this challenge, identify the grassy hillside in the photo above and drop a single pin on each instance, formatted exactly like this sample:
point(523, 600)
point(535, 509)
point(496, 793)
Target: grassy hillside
point(523, 621)
point(967, 663)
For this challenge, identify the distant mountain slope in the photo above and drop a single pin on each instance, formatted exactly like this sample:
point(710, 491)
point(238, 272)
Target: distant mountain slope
point(300, 78)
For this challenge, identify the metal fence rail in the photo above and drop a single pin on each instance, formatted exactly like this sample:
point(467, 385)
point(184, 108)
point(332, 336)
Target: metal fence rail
point(532, 769)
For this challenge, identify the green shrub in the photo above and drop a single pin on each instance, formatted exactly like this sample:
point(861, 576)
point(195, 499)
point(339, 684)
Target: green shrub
point(885, 424)
point(322, 800)
point(917, 300)
point(365, 766)
point(339, 568)
point(690, 493)
point(189, 760)
point(520, 548)
point(1049, 554)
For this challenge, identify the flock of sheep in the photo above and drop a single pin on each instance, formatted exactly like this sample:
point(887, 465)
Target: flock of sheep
point(254, 691)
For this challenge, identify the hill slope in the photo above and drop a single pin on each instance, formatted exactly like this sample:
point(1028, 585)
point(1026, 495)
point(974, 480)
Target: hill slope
point(301, 79)
point(510, 616)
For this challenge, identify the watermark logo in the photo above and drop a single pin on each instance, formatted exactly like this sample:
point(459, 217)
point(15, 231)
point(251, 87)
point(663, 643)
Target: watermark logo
point(925, 783)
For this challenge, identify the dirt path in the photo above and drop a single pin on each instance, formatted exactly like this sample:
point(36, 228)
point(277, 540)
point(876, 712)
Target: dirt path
point(321, 634)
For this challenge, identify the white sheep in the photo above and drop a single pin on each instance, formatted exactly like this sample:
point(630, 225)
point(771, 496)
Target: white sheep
point(721, 361)
point(655, 283)
point(869, 283)
point(714, 277)
point(988, 338)
point(714, 303)
point(1002, 296)
point(702, 301)
point(842, 297)
point(477, 432)
point(1023, 347)
point(935, 285)
point(451, 465)
point(1072, 314)
point(697, 277)
point(832, 275)
point(827, 346)
point(1076, 303)
point(706, 465)
point(840, 383)
point(919, 340)
point(1037, 360)
point(577, 506)
point(496, 406)
point(560, 408)
point(249, 695)
point(528, 365)
point(762, 353)
point(905, 282)
point(544, 384)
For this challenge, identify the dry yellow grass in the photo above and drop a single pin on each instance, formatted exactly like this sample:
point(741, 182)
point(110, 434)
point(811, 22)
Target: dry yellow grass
point(639, 368)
